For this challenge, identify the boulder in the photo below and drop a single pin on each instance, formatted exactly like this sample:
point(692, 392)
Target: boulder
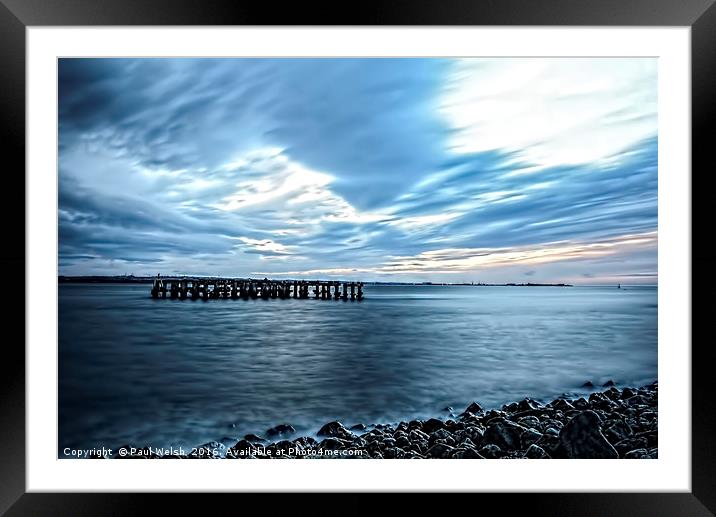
point(581, 438)
point(528, 404)
point(439, 450)
point(638, 454)
point(529, 437)
point(630, 444)
point(474, 408)
point(617, 431)
point(505, 435)
point(613, 393)
point(627, 393)
point(334, 429)
point(491, 451)
point(333, 444)
point(280, 430)
point(535, 452)
point(580, 403)
point(433, 425)
point(441, 435)
point(470, 454)
point(530, 421)
point(562, 405)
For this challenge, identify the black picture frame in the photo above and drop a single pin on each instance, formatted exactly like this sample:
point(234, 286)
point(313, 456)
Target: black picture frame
point(17, 15)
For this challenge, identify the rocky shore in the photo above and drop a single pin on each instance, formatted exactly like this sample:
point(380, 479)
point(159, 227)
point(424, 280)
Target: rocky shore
point(611, 423)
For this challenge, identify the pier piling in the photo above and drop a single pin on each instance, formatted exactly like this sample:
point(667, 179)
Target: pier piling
point(234, 288)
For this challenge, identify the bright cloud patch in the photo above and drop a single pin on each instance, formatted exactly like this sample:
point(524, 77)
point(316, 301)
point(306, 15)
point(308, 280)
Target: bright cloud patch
point(551, 111)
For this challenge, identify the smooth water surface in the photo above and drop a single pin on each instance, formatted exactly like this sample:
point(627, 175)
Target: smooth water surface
point(133, 370)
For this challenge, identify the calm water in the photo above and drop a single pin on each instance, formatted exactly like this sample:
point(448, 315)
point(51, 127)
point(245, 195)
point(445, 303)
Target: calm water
point(168, 372)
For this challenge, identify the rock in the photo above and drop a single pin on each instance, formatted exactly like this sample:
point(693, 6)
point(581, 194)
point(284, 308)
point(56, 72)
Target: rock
point(588, 384)
point(652, 438)
point(280, 430)
point(475, 433)
point(597, 397)
point(467, 444)
point(284, 446)
point(637, 454)
point(530, 421)
point(468, 417)
point(636, 401)
point(334, 429)
point(433, 425)
point(448, 409)
point(439, 450)
point(491, 451)
point(552, 431)
point(617, 431)
point(416, 435)
point(529, 437)
point(528, 404)
point(580, 403)
point(627, 393)
point(613, 393)
point(441, 435)
point(505, 435)
point(474, 408)
point(608, 384)
point(600, 401)
point(581, 438)
point(358, 427)
point(242, 449)
point(415, 424)
point(562, 405)
point(254, 438)
point(510, 408)
point(470, 454)
point(551, 445)
point(388, 442)
point(305, 442)
point(333, 444)
point(492, 414)
point(402, 442)
point(535, 452)
point(630, 444)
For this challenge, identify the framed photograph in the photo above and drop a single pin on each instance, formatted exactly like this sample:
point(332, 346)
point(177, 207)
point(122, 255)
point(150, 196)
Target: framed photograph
point(432, 248)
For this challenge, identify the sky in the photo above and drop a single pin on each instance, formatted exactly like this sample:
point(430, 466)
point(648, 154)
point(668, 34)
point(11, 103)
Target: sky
point(444, 170)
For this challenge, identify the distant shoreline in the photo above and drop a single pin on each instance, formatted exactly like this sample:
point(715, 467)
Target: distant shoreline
point(131, 279)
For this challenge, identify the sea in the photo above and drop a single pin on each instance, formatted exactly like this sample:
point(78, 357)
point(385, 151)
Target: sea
point(180, 373)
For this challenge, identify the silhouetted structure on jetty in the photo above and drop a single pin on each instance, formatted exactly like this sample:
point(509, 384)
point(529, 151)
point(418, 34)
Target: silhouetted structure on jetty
point(245, 288)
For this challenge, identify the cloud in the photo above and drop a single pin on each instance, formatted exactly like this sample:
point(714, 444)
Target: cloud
point(551, 111)
point(460, 260)
point(393, 168)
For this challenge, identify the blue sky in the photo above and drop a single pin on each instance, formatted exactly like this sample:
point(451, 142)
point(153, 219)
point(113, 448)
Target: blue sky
point(492, 170)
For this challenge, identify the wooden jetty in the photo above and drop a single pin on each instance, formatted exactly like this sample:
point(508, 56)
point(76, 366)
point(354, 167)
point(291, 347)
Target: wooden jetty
point(245, 288)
